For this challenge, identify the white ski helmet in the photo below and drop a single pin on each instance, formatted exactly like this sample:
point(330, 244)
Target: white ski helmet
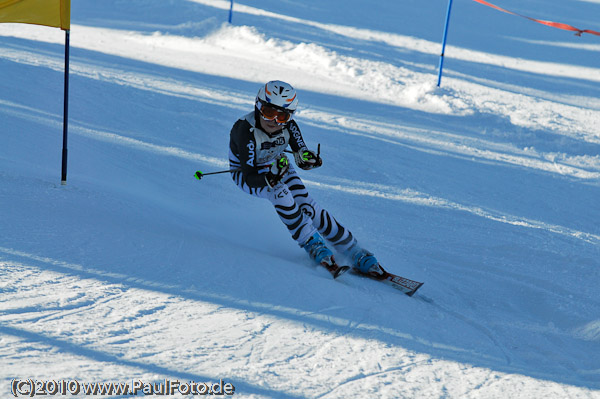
point(279, 94)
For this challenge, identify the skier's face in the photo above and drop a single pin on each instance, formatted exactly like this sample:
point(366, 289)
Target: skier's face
point(270, 126)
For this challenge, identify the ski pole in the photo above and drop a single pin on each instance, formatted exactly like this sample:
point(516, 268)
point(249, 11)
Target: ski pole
point(199, 174)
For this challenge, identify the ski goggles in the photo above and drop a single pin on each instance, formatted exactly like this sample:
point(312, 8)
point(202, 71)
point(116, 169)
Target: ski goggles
point(270, 112)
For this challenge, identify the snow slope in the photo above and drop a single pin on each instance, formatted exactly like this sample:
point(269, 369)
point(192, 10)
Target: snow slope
point(486, 189)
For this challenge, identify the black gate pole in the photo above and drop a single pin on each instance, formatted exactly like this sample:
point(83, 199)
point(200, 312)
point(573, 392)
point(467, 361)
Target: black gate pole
point(66, 111)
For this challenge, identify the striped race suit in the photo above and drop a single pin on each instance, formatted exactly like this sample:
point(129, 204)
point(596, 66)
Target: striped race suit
point(251, 153)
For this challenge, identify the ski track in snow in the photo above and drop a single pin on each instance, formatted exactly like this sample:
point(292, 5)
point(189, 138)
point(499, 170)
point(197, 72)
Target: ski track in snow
point(429, 141)
point(534, 115)
point(357, 187)
point(352, 77)
point(146, 315)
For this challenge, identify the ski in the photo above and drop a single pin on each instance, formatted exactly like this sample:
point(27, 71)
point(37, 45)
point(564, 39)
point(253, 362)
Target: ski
point(409, 287)
point(335, 269)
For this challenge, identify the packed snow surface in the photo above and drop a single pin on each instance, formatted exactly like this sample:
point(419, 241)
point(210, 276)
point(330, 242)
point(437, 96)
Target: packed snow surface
point(486, 188)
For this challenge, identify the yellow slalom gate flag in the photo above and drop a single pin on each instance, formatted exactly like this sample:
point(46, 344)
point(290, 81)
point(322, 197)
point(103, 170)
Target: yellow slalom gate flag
point(55, 13)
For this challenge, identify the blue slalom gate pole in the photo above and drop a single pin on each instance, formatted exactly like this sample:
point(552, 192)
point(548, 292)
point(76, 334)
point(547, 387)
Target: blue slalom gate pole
point(444, 42)
point(231, 11)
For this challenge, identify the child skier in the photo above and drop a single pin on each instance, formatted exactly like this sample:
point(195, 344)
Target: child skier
point(257, 143)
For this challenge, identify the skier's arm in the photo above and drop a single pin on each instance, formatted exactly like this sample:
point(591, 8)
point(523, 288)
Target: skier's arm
point(243, 145)
point(296, 141)
point(305, 158)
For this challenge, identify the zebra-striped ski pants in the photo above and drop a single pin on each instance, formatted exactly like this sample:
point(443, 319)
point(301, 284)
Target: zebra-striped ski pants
point(300, 212)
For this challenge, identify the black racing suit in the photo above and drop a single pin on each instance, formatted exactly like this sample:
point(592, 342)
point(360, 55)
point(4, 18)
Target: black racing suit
point(252, 150)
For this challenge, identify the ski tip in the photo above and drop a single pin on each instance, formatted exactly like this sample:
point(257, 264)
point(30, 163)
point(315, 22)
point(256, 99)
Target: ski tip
point(198, 175)
point(341, 270)
point(411, 293)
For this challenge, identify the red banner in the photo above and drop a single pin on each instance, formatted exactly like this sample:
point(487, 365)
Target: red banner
point(549, 23)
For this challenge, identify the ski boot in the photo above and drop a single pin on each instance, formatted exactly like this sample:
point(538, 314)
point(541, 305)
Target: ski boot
point(317, 250)
point(366, 263)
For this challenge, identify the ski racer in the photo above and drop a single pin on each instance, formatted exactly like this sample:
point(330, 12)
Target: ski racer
point(261, 169)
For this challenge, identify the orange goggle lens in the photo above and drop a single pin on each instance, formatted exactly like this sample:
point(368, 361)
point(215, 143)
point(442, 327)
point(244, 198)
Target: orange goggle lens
point(271, 113)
